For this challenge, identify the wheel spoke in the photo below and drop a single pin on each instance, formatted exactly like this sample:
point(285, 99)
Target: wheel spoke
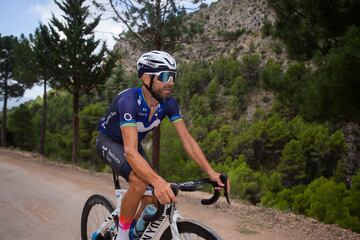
point(96, 210)
point(190, 236)
point(97, 216)
point(190, 230)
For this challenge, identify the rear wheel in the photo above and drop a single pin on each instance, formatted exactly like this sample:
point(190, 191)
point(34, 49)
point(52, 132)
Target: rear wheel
point(96, 209)
point(189, 230)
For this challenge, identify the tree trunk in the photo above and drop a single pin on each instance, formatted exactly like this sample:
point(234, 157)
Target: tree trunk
point(75, 145)
point(4, 113)
point(157, 135)
point(156, 139)
point(43, 121)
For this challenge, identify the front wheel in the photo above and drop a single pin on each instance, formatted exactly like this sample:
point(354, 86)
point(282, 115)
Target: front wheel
point(189, 229)
point(96, 209)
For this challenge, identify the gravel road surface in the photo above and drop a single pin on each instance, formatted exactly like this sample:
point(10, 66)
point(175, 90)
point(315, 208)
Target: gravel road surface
point(43, 200)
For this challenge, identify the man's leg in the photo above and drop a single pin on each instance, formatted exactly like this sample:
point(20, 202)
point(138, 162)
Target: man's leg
point(112, 153)
point(130, 204)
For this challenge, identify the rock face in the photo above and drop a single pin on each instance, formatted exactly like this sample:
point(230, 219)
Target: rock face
point(229, 28)
point(226, 17)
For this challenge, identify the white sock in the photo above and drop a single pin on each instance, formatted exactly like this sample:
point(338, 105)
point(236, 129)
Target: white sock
point(122, 234)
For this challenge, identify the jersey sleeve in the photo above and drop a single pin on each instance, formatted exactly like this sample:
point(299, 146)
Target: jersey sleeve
point(172, 110)
point(127, 108)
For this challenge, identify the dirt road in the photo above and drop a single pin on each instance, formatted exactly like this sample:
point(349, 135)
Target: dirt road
point(44, 200)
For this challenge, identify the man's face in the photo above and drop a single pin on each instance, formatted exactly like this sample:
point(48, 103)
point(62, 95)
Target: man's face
point(164, 90)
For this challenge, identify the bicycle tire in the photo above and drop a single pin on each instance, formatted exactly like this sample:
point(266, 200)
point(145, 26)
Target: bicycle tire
point(90, 204)
point(191, 227)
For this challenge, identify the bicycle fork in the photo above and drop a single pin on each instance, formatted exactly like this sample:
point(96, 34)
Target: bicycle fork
point(173, 217)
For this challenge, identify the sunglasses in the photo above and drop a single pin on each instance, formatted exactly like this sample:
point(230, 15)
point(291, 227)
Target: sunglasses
point(165, 76)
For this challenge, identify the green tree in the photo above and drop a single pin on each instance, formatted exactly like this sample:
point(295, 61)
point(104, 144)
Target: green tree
point(225, 70)
point(89, 118)
point(59, 131)
point(326, 201)
point(272, 76)
point(293, 164)
point(148, 22)
point(333, 90)
point(352, 201)
point(43, 61)
point(250, 69)
point(211, 93)
point(10, 87)
point(307, 27)
point(173, 157)
point(116, 82)
point(193, 79)
point(20, 124)
point(34, 64)
point(76, 64)
point(245, 183)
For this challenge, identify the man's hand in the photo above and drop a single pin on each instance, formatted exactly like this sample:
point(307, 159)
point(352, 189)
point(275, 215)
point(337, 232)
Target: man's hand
point(163, 192)
point(215, 177)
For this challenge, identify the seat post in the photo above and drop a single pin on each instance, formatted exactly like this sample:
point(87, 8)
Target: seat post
point(116, 180)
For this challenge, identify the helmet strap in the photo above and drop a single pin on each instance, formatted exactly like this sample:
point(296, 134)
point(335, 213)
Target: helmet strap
point(153, 94)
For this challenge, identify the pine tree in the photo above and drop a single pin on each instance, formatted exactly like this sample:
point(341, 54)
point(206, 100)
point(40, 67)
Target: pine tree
point(77, 66)
point(33, 65)
point(23, 131)
point(43, 65)
point(11, 50)
point(293, 165)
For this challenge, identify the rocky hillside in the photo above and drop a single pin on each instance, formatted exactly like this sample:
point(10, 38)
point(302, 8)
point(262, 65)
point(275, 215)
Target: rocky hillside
point(225, 28)
point(231, 27)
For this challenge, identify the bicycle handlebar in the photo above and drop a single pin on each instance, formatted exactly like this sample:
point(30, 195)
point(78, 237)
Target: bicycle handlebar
point(192, 186)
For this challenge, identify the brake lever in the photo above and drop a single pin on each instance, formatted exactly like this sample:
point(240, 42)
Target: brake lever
point(224, 180)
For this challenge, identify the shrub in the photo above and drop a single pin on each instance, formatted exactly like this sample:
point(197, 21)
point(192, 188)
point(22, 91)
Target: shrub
point(272, 76)
point(325, 199)
point(267, 28)
point(250, 68)
point(231, 36)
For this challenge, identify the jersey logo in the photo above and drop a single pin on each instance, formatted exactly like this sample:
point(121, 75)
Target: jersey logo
point(127, 116)
point(142, 128)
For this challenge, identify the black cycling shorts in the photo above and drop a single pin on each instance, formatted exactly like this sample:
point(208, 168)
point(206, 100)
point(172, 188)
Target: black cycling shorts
point(112, 153)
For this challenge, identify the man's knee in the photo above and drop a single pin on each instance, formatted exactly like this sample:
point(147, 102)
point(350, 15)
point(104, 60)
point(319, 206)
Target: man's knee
point(136, 183)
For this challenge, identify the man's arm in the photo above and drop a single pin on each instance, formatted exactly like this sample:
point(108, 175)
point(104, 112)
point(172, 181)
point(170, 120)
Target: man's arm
point(141, 167)
point(194, 151)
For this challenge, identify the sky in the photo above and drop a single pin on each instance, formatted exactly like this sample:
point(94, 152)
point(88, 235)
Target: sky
point(23, 16)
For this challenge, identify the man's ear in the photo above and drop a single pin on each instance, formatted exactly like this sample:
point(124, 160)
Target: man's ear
point(145, 79)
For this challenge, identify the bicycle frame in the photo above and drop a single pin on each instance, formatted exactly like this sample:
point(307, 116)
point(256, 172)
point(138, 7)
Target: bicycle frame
point(170, 214)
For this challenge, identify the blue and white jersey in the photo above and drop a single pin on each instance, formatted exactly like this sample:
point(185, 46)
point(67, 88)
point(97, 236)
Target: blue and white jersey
point(129, 108)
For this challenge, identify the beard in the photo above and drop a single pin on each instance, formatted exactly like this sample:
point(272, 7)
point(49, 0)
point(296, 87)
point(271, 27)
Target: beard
point(164, 92)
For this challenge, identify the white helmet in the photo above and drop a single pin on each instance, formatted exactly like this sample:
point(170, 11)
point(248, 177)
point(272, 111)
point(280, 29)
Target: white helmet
point(155, 61)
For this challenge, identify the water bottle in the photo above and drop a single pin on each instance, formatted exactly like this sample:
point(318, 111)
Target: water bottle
point(141, 224)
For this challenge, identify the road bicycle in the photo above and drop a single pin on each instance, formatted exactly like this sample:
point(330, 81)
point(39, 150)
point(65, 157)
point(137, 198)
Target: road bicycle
point(99, 220)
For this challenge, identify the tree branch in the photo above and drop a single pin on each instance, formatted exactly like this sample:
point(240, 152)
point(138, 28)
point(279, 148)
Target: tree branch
point(125, 22)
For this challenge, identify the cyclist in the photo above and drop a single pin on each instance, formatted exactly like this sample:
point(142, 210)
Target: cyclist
point(132, 114)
